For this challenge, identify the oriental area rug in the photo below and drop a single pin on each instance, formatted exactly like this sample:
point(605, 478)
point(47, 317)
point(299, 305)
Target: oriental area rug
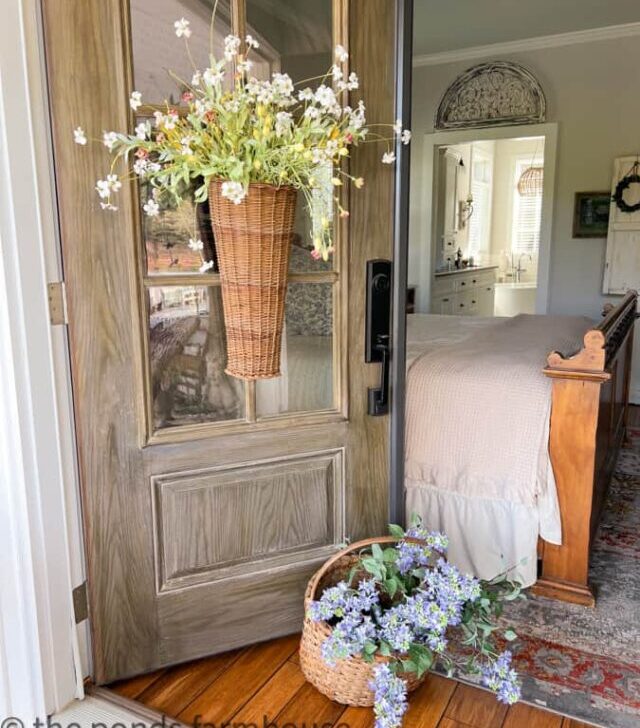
point(584, 662)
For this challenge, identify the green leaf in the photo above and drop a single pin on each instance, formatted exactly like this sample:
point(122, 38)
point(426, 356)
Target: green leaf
point(377, 552)
point(396, 531)
point(510, 635)
point(409, 666)
point(370, 648)
point(389, 555)
point(385, 649)
point(391, 587)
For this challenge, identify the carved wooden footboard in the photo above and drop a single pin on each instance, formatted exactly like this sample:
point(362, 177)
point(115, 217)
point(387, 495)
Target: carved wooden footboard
point(588, 423)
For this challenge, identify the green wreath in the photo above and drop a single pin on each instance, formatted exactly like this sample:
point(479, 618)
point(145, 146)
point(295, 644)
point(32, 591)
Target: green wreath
point(618, 195)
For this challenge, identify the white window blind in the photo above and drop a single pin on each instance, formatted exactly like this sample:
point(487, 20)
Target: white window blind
point(481, 191)
point(527, 214)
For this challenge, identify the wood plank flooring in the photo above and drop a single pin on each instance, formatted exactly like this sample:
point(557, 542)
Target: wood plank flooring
point(262, 686)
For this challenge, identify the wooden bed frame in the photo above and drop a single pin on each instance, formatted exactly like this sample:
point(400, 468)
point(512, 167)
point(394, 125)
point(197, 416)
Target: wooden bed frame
point(588, 424)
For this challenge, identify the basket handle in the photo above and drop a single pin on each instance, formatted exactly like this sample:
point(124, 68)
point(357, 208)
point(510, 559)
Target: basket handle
point(313, 584)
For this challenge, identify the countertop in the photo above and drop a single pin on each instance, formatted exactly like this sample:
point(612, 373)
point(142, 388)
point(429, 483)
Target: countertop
point(469, 269)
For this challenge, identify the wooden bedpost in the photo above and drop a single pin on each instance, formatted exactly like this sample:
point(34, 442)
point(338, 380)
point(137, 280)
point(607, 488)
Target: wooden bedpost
point(588, 418)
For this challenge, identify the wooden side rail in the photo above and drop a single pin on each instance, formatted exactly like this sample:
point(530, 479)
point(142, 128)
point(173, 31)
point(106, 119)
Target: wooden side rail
point(588, 421)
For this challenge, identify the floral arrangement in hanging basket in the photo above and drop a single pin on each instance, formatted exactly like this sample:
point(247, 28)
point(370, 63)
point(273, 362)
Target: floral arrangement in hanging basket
point(250, 146)
point(382, 612)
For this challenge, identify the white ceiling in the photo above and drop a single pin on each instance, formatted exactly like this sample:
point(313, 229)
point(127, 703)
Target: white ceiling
point(444, 25)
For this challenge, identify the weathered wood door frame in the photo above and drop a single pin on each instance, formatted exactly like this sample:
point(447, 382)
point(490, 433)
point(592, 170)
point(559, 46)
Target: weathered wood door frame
point(97, 253)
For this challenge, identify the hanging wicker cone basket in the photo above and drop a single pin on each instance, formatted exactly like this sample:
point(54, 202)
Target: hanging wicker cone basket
point(253, 241)
point(348, 681)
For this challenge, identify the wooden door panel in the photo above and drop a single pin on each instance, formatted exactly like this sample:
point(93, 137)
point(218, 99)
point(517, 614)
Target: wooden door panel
point(299, 499)
point(204, 521)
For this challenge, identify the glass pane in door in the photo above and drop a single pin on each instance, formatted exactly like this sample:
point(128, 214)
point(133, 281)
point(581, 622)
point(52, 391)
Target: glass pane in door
point(157, 50)
point(306, 382)
point(296, 35)
point(187, 350)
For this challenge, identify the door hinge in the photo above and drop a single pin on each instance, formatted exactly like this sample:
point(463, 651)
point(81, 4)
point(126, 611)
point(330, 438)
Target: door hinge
point(80, 603)
point(57, 303)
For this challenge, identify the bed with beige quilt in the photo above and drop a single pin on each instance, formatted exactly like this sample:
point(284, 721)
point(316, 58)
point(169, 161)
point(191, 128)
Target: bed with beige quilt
point(512, 428)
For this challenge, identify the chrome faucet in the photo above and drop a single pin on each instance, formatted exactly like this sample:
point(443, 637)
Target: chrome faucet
point(519, 270)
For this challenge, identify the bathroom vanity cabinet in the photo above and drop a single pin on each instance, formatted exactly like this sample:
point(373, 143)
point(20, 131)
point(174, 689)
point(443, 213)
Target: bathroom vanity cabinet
point(466, 292)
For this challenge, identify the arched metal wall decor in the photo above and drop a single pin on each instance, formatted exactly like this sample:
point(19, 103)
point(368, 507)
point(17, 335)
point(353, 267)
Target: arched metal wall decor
point(492, 94)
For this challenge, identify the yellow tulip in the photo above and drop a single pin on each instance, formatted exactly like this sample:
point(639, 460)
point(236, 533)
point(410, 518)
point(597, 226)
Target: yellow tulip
point(359, 182)
point(343, 151)
point(335, 133)
point(336, 182)
point(257, 164)
point(299, 147)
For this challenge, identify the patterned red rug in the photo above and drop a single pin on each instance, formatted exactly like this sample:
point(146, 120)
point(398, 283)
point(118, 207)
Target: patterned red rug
point(582, 662)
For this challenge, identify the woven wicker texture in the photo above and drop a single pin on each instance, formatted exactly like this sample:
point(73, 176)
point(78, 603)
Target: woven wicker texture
point(253, 240)
point(348, 681)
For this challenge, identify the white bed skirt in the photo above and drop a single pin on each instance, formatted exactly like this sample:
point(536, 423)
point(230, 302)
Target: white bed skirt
point(505, 533)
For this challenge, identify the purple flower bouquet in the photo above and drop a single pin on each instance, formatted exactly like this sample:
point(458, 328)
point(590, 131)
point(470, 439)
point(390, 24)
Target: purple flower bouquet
point(402, 606)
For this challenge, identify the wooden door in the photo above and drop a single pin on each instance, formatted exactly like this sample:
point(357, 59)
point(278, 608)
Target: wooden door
point(622, 266)
point(209, 502)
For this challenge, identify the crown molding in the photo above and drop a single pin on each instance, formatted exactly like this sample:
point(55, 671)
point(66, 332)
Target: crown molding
point(529, 44)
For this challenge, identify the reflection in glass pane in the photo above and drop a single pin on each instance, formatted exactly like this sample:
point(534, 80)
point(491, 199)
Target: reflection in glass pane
point(306, 383)
point(296, 34)
point(166, 238)
point(188, 357)
point(156, 49)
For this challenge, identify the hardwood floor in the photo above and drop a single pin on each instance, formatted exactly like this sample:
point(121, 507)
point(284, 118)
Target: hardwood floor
point(263, 686)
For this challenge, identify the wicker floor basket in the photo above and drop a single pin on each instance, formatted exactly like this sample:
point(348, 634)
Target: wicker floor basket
point(348, 681)
point(253, 240)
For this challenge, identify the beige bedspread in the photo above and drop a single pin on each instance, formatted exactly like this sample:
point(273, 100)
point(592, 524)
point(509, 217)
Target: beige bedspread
point(477, 418)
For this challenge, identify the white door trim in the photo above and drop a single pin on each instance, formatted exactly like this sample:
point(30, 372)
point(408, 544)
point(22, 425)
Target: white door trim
point(39, 536)
point(426, 233)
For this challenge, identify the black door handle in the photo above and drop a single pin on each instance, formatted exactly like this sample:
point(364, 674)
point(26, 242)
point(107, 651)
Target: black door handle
point(379, 396)
point(378, 330)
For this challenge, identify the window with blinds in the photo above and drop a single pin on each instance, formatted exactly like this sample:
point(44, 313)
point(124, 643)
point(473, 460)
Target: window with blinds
point(527, 214)
point(482, 193)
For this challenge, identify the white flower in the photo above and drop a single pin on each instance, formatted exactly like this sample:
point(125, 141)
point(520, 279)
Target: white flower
point(143, 130)
point(186, 144)
point(231, 46)
point(406, 136)
point(388, 158)
point(251, 42)
point(196, 78)
point(282, 83)
point(135, 100)
point(182, 28)
point(196, 244)
point(102, 188)
point(306, 94)
point(207, 265)
point(341, 54)
point(283, 123)
point(244, 66)
point(354, 81)
point(397, 127)
point(325, 96)
point(109, 139)
point(79, 136)
point(151, 207)
point(214, 75)
point(312, 112)
point(108, 206)
point(140, 167)
point(336, 72)
point(170, 120)
point(105, 187)
point(233, 191)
